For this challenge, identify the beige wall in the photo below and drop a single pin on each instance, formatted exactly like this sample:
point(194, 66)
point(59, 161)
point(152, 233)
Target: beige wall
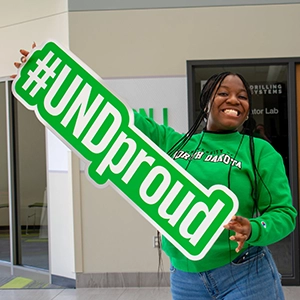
point(158, 42)
point(115, 237)
point(23, 22)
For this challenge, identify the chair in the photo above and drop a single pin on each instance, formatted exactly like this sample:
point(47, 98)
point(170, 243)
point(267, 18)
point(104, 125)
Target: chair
point(35, 206)
point(4, 198)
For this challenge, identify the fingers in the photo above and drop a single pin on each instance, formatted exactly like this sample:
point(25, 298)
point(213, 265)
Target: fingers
point(24, 55)
point(242, 228)
point(17, 65)
point(24, 52)
point(240, 239)
point(238, 224)
point(23, 58)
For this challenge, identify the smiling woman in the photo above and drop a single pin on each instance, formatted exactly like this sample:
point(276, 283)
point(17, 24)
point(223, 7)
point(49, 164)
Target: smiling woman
point(224, 154)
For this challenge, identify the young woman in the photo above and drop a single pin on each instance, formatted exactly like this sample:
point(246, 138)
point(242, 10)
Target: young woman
point(254, 171)
point(239, 265)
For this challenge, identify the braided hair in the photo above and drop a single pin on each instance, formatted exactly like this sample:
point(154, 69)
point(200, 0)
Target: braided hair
point(206, 95)
point(206, 98)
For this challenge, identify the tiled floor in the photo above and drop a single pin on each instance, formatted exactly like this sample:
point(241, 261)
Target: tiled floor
point(291, 293)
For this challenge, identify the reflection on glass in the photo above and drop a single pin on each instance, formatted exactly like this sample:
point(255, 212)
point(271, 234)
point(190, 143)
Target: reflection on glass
point(282, 253)
point(4, 210)
point(269, 108)
point(32, 188)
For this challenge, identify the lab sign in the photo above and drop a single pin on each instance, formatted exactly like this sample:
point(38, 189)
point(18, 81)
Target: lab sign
point(73, 102)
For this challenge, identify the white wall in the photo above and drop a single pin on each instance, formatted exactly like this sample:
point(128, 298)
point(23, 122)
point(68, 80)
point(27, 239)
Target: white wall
point(61, 225)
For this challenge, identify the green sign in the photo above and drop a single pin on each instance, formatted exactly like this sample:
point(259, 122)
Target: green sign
point(72, 101)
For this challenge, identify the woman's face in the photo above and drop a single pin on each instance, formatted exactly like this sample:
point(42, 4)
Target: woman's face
point(229, 108)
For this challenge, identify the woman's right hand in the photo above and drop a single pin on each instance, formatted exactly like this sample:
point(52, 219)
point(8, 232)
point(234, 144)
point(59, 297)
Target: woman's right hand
point(242, 228)
point(23, 59)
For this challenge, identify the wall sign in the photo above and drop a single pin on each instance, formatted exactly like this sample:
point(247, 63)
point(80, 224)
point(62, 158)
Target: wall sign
point(72, 101)
point(266, 89)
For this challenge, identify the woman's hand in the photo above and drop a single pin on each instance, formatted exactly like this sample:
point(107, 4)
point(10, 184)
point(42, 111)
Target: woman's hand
point(242, 228)
point(23, 59)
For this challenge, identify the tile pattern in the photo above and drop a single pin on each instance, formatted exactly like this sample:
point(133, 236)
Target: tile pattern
point(291, 293)
point(122, 280)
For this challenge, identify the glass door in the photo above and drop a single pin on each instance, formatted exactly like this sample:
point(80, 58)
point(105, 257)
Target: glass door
point(26, 182)
point(4, 202)
point(31, 188)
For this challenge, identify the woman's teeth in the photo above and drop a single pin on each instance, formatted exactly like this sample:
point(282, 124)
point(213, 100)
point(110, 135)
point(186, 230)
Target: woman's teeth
point(231, 112)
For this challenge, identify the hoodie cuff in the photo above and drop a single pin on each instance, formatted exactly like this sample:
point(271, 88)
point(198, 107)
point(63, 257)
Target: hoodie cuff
point(255, 232)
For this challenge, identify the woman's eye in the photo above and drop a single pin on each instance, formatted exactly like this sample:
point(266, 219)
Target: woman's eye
point(222, 94)
point(243, 97)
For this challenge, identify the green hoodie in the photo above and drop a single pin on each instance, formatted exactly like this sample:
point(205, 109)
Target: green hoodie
point(224, 158)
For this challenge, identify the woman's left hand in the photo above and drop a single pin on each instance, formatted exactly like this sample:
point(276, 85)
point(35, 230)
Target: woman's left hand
point(242, 228)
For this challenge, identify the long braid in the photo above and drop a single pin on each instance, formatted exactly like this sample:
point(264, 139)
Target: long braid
point(206, 101)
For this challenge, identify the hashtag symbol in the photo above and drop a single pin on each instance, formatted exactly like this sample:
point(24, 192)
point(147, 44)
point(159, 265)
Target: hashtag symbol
point(42, 67)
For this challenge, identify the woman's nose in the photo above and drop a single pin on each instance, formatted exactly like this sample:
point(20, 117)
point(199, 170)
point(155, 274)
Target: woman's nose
point(233, 99)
